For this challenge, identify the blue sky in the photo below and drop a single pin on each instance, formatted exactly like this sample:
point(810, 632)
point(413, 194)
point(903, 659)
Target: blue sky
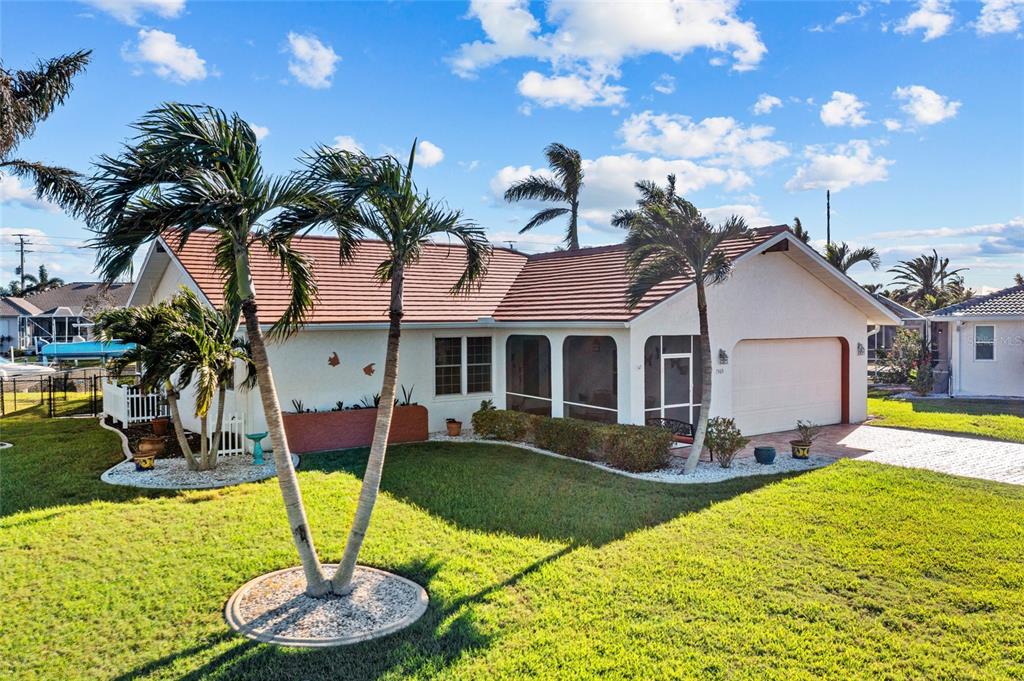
point(913, 113)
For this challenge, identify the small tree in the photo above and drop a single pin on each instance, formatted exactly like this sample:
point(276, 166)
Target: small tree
point(724, 440)
point(907, 353)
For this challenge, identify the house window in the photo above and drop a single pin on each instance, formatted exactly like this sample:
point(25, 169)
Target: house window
point(461, 356)
point(528, 374)
point(984, 342)
point(672, 378)
point(590, 376)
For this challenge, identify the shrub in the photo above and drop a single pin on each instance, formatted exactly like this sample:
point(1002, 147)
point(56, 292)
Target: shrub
point(809, 432)
point(634, 448)
point(923, 380)
point(501, 424)
point(907, 352)
point(569, 437)
point(724, 440)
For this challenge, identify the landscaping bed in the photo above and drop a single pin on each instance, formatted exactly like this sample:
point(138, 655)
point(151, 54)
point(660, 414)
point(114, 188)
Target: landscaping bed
point(137, 431)
point(173, 473)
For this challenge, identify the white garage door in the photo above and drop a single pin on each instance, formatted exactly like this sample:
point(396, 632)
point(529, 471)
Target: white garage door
point(776, 382)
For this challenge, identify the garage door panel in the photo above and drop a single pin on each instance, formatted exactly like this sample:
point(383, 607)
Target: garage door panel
point(776, 382)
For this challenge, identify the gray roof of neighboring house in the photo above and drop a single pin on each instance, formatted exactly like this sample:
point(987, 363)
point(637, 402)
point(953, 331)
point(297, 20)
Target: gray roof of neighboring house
point(76, 295)
point(904, 313)
point(1008, 303)
point(12, 306)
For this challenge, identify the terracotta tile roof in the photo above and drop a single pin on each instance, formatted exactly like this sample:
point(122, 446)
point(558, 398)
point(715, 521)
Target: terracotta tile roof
point(590, 284)
point(349, 294)
point(1008, 302)
point(585, 285)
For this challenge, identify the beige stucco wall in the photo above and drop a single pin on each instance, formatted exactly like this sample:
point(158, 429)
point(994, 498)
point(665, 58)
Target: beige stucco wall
point(767, 296)
point(1002, 376)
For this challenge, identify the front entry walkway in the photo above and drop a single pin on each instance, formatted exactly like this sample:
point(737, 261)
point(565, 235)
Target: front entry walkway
point(956, 455)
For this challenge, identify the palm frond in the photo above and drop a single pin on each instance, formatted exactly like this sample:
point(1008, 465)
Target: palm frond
point(542, 217)
point(61, 186)
point(536, 188)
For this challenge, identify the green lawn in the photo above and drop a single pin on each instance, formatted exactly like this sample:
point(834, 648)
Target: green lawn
point(535, 567)
point(999, 419)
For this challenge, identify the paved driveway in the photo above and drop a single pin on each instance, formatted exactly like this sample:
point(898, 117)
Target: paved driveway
point(956, 455)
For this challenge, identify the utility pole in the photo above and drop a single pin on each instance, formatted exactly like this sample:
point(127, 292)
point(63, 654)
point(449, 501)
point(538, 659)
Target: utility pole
point(21, 247)
point(828, 216)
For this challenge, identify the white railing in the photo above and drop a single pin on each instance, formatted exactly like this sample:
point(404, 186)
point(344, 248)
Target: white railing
point(232, 436)
point(129, 404)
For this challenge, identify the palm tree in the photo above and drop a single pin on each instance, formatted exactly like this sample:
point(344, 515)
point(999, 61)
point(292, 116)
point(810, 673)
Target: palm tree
point(27, 98)
point(41, 282)
point(391, 209)
point(195, 167)
point(669, 238)
point(177, 342)
point(1018, 279)
point(842, 257)
point(875, 288)
point(567, 167)
point(800, 232)
point(927, 281)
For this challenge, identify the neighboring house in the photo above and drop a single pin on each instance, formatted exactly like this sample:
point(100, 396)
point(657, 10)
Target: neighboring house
point(880, 338)
point(551, 334)
point(981, 344)
point(58, 315)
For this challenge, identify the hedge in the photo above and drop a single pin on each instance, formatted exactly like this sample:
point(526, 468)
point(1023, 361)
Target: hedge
point(631, 448)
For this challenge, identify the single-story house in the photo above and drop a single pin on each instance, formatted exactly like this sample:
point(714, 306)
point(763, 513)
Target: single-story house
point(61, 314)
point(981, 344)
point(880, 338)
point(551, 333)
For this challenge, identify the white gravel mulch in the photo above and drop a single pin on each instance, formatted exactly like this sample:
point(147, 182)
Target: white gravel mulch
point(274, 608)
point(706, 471)
point(174, 474)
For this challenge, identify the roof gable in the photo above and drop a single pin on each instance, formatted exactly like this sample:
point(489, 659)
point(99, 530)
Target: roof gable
point(76, 295)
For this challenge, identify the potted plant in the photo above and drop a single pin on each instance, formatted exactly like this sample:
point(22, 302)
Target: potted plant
point(159, 425)
point(764, 455)
point(454, 427)
point(808, 433)
point(149, 448)
point(724, 440)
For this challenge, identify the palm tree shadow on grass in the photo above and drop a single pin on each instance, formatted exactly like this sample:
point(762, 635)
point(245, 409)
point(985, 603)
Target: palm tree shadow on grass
point(446, 632)
point(498, 488)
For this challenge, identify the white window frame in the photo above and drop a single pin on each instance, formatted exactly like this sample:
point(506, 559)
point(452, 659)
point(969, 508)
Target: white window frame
point(992, 343)
point(463, 367)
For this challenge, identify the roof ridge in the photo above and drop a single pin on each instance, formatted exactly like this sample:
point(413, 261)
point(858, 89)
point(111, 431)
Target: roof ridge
point(978, 300)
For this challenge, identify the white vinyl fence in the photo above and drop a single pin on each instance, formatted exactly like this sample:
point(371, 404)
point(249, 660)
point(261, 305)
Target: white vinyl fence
point(129, 404)
point(232, 436)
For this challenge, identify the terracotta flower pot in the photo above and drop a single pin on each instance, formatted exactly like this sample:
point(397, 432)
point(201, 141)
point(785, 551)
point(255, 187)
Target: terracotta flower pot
point(801, 449)
point(160, 425)
point(454, 428)
point(152, 446)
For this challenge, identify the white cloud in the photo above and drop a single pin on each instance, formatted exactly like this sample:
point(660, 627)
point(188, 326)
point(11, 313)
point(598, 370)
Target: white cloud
point(347, 143)
point(993, 229)
point(842, 166)
point(891, 124)
point(589, 41)
point(843, 109)
point(999, 16)
point(261, 131)
point(925, 106)
point(573, 91)
point(847, 17)
point(129, 11)
point(610, 181)
point(13, 192)
point(934, 17)
point(765, 103)
point(428, 154)
point(170, 59)
point(312, 62)
point(720, 140)
point(754, 215)
point(665, 84)
point(469, 166)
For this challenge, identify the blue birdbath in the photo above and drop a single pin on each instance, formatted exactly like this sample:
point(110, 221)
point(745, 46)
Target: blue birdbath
point(257, 448)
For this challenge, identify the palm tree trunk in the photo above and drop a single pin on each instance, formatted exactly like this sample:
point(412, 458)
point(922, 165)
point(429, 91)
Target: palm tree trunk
point(179, 429)
point(316, 583)
point(574, 235)
point(218, 426)
point(204, 443)
point(341, 583)
point(705, 401)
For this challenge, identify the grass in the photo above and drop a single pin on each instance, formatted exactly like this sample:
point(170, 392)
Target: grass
point(997, 419)
point(535, 567)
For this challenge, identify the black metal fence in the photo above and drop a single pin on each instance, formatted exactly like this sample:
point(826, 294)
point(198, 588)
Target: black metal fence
point(65, 393)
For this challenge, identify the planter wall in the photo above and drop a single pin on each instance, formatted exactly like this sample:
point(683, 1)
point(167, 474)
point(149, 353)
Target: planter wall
point(329, 430)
